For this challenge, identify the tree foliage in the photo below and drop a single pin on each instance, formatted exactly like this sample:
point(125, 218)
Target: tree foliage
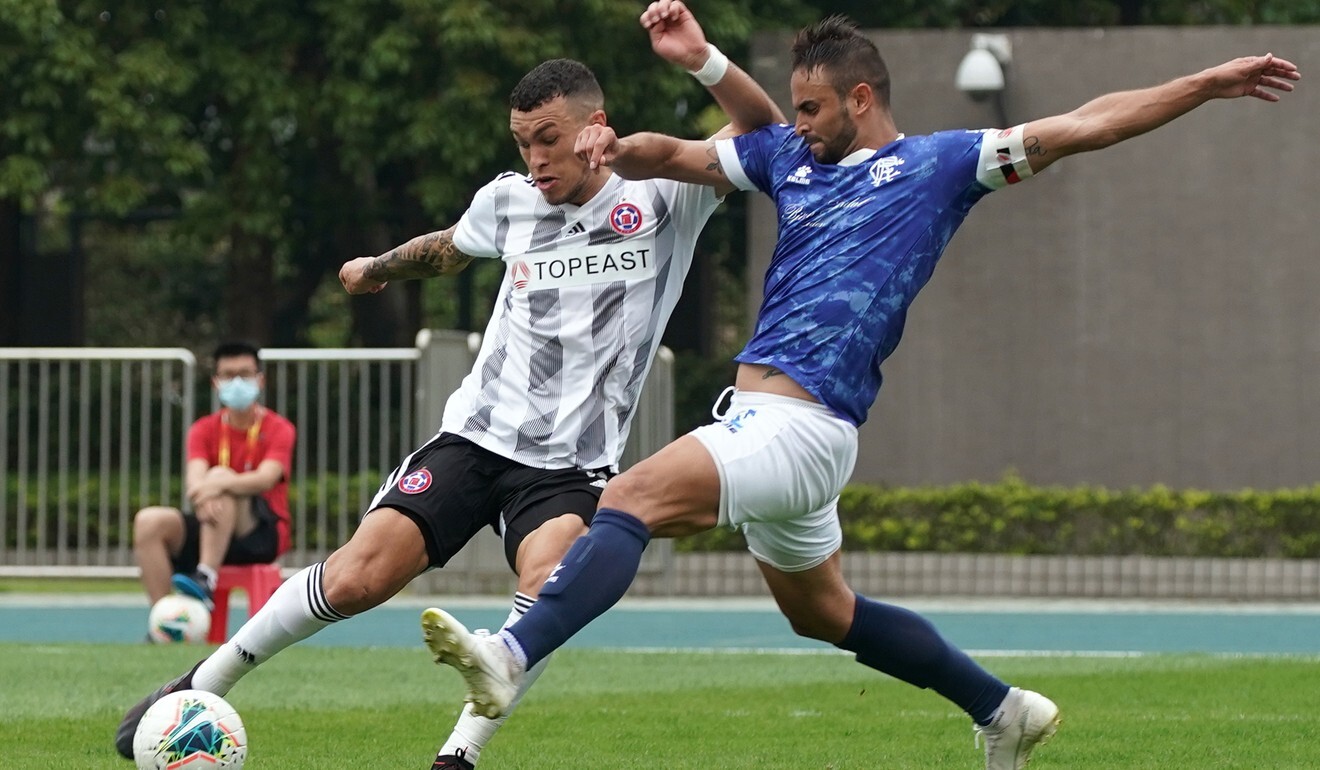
point(283, 137)
point(1085, 13)
point(87, 109)
point(290, 136)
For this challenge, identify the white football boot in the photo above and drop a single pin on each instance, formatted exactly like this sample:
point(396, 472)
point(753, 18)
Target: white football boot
point(488, 667)
point(1026, 720)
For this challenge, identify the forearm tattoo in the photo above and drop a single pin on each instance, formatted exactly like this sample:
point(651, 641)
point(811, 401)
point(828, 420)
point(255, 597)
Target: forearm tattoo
point(1033, 146)
point(422, 257)
point(771, 372)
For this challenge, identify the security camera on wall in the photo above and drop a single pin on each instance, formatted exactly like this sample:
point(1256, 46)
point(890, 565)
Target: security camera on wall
point(980, 75)
point(981, 71)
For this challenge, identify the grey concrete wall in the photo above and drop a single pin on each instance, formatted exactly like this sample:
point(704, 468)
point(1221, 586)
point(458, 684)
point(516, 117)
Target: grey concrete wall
point(1145, 314)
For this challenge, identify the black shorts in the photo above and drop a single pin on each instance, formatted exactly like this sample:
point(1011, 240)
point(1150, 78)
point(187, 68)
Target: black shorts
point(260, 546)
point(451, 488)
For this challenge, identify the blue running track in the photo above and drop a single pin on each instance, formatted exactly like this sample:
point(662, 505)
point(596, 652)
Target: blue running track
point(987, 628)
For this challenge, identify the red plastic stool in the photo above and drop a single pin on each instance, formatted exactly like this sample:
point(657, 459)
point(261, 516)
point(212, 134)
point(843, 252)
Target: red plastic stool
point(258, 581)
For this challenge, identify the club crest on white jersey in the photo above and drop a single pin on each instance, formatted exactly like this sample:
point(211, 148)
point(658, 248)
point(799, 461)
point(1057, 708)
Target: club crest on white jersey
point(626, 218)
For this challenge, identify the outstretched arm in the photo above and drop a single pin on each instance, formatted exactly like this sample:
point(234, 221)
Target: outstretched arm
point(648, 155)
point(422, 257)
point(678, 38)
point(1114, 117)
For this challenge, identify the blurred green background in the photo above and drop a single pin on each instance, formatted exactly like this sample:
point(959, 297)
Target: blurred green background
point(173, 173)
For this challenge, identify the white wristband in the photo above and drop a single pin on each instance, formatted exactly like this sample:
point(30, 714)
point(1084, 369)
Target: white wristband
point(713, 70)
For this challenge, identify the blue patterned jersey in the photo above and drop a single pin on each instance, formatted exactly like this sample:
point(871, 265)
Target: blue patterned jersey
point(857, 241)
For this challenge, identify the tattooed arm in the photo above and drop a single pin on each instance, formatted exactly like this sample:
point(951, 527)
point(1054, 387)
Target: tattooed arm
point(647, 155)
point(422, 257)
point(1115, 117)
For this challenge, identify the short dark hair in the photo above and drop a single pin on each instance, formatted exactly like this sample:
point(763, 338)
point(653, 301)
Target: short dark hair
point(843, 54)
point(557, 77)
point(235, 348)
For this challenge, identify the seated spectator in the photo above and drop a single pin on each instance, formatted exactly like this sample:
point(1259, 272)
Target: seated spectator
point(237, 485)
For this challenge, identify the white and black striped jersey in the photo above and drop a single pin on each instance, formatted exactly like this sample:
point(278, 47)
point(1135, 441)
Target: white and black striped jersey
point(586, 294)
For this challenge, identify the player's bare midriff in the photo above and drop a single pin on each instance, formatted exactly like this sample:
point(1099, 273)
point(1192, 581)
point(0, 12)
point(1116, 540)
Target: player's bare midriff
point(766, 379)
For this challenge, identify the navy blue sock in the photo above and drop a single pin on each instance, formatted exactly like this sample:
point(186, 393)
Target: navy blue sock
point(906, 646)
point(593, 576)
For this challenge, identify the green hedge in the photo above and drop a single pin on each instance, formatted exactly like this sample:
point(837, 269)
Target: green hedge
point(1012, 516)
point(1009, 516)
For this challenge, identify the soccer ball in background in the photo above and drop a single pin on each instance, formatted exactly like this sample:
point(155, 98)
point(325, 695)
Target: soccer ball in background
point(178, 618)
point(190, 728)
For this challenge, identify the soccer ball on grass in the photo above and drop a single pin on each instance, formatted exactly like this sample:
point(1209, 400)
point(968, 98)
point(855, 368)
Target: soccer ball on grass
point(178, 618)
point(190, 729)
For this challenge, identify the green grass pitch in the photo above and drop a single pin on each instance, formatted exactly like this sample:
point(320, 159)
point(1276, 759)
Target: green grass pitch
point(321, 707)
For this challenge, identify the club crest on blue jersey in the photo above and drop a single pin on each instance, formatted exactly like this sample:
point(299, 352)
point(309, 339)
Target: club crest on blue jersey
point(885, 169)
point(625, 218)
point(416, 482)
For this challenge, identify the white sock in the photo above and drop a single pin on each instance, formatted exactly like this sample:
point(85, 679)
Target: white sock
point(297, 610)
point(473, 732)
point(211, 577)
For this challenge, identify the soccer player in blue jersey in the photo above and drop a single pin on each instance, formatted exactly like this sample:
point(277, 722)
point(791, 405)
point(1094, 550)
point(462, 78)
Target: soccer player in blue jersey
point(864, 214)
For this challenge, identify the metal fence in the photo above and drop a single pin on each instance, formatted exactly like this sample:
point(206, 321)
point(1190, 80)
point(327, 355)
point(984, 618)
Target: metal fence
point(88, 436)
point(354, 413)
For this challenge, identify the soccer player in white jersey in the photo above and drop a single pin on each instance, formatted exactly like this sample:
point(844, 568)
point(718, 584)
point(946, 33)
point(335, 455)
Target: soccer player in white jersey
point(594, 264)
point(864, 214)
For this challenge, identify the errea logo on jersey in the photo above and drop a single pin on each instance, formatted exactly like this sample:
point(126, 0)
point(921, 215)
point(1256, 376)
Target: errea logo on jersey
point(799, 175)
point(885, 169)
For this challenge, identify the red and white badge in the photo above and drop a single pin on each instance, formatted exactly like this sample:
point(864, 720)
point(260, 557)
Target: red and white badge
point(625, 218)
point(416, 482)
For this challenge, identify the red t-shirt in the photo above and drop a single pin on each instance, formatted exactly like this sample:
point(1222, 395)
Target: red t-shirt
point(274, 441)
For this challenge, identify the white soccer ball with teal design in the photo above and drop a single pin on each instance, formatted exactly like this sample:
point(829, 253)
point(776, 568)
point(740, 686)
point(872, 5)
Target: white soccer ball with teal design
point(178, 618)
point(190, 729)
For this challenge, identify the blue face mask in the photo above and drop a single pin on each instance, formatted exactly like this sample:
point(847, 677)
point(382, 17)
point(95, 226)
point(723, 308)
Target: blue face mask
point(238, 392)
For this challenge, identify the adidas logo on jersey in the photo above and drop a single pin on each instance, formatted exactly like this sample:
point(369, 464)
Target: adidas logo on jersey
point(576, 229)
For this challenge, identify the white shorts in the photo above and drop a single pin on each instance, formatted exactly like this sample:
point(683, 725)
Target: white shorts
point(782, 463)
